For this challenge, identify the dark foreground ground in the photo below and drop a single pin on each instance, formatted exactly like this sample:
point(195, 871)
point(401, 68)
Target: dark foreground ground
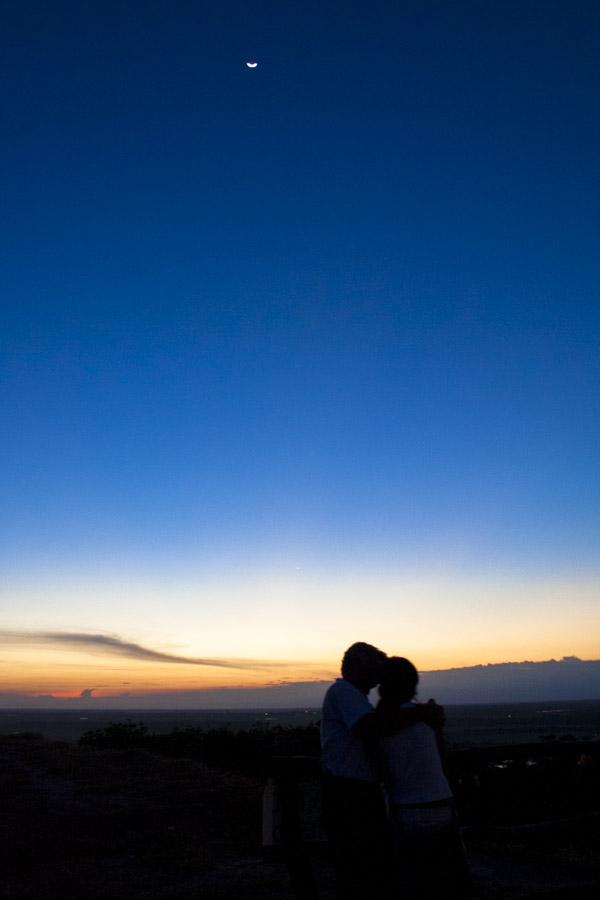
point(94, 823)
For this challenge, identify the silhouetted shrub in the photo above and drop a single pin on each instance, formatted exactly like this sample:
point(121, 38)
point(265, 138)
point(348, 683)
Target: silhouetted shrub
point(117, 736)
point(247, 751)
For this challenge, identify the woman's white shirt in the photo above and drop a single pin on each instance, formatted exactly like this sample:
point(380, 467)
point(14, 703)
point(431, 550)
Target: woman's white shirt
point(412, 766)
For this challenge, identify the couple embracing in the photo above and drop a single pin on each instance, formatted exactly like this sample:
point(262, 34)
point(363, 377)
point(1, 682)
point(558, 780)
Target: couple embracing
point(387, 806)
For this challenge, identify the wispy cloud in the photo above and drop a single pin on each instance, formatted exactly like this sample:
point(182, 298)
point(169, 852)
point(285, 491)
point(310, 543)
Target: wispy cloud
point(106, 643)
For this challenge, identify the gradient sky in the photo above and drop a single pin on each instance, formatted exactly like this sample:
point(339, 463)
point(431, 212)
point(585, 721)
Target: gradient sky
point(303, 354)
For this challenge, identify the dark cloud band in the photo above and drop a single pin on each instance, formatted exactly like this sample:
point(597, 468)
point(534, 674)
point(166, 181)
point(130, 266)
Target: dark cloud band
point(109, 644)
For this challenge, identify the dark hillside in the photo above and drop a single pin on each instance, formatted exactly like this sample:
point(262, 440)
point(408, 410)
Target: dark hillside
point(95, 823)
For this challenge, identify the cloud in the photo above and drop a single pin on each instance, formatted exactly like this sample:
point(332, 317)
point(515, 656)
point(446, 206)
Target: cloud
point(569, 678)
point(291, 695)
point(566, 679)
point(114, 645)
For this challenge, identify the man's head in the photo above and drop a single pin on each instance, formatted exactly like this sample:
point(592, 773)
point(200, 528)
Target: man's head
point(362, 665)
point(399, 680)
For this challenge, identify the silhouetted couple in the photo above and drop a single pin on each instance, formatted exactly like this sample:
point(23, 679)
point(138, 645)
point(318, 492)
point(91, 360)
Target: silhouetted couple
point(387, 806)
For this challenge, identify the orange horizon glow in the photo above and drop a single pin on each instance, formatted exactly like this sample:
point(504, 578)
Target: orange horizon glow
point(142, 639)
point(67, 681)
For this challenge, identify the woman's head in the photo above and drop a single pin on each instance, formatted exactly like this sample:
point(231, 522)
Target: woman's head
point(399, 680)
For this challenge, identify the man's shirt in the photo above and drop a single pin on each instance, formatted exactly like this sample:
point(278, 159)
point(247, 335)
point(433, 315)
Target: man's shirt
point(342, 754)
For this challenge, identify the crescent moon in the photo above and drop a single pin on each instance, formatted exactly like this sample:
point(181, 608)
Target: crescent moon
point(252, 65)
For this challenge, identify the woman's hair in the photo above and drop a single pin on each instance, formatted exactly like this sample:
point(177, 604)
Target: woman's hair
point(399, 680)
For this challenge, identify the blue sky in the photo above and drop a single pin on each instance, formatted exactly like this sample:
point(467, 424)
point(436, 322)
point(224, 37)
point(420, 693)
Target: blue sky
point(338, 313)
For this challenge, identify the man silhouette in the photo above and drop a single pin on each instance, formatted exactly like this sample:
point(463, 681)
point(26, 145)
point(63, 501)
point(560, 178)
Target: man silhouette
point(353, 804)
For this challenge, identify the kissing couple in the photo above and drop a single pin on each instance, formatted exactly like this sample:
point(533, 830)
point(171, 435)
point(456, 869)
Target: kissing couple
point(388, 809)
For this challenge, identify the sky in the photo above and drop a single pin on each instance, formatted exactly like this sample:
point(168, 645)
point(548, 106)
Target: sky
point(296, 355)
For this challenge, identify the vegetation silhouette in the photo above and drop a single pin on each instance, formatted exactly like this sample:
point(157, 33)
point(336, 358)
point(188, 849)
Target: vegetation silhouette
point(500, 785)
point(248, 751)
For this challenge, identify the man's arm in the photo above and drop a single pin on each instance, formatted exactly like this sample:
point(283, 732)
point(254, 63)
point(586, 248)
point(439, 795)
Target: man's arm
point(386, 721)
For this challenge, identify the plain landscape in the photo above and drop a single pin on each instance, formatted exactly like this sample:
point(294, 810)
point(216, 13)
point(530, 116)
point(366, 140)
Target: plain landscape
point(467, 725)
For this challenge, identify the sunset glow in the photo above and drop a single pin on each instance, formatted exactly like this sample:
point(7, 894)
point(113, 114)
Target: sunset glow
point(296, 357)
point(293, 632)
